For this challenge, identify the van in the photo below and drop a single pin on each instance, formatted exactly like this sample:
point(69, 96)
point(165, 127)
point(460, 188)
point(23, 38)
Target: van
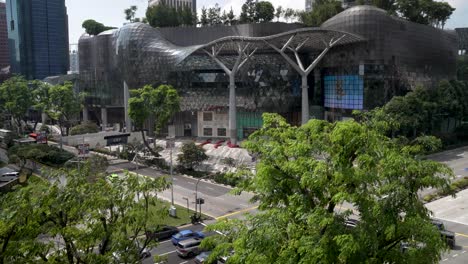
point(189, 247)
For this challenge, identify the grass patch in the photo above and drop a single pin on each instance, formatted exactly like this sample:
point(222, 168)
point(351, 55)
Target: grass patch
point(183, 217)
point(456, 186)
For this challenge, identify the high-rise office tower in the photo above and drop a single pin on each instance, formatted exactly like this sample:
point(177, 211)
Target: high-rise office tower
point(4, 59)
point(192, 4)
point(38, 37)
point(74, 59)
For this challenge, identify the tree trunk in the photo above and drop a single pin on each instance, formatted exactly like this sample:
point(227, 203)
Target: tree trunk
point(154, 153)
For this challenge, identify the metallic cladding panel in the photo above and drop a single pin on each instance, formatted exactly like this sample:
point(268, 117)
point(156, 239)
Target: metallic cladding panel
point(186, 36)
point(421, 54)
point(462, 38)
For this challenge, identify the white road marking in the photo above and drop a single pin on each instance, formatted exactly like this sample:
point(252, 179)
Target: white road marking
point(167, 253)
point(244, 205)
point(444, 259)
point(191, 183)
point(453, 221)
point(175, 179)
point(183, 262)
point(164, 242)
point(220, 198)
point(455, 255)
point(464, 251)
point(209, 188)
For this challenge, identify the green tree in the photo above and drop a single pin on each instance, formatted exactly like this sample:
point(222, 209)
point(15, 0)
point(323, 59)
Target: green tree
point(191, 156)
point(93, 27)
point(40, 98)
point(248, 12)
point(161, 15)
point(311, 179)
point(204, 17)
point(427, 12)
point(64, 105)
point(264, 11)
point(321, 12)
point(231, 17)
point(130, 13)
point(96, 220)
point(15, 98)
point(279, 13)
point(187, 17)
point(214, 15)
point(148, 102)
point(289, 14)
point(20, 225)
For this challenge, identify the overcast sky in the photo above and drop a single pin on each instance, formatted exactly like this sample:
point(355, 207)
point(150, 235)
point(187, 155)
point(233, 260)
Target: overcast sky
point(110, 12)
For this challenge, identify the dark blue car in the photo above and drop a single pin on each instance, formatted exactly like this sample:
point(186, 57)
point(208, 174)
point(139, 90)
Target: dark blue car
point(186, 234)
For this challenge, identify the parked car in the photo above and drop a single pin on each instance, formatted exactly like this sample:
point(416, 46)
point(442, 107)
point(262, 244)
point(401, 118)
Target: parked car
point(201, 259)
point(447, 236)
point(186, 234)
point(143, 255)
point(162, 233)
point(189, 247)
point(10, 174)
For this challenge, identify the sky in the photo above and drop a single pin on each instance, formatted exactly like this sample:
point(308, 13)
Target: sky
point(110, 12)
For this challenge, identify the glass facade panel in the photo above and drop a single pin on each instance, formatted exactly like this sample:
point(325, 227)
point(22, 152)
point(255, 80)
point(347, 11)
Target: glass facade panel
point(344, 92)
point(38, 37)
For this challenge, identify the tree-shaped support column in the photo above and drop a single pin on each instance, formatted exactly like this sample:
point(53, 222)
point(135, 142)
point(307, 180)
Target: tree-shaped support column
point(299, 66)
point(243, 55)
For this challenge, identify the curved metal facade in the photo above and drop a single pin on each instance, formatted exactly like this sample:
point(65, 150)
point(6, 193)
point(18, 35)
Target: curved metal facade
point(379, 53)
point(421, 54)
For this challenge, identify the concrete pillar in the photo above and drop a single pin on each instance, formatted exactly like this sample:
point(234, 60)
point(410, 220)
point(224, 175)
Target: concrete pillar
point(44, 118)
point(103, 118)
point(151, 125)
point(85, 114)
point(305, 100)
point(128, 121)
point(232, 110)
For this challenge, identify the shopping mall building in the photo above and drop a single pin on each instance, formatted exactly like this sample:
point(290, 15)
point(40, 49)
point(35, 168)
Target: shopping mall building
point(227, 76)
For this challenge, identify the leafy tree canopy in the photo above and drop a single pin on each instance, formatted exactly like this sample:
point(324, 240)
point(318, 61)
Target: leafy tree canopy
point(264, 11)
point(322, 10)
point(95, 220)
point(64, 104)
point(162, 15)
point(93, 27)
point(15, 99)
point(311, 179)
point(160, 103)
point(191, 156)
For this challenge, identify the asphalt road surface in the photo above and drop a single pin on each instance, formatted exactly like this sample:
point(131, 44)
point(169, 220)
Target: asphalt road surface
point(219, 201)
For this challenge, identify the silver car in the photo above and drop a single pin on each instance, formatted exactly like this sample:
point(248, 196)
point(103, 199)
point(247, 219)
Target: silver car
point(188, 248)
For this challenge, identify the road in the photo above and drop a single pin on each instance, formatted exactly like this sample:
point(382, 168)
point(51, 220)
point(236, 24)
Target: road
point(218, 199)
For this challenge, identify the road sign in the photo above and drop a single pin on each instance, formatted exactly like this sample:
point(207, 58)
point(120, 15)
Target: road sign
point(83, 149)
point(200, 201)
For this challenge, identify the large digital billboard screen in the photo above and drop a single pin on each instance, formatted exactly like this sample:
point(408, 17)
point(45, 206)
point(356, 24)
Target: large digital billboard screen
point(344, 92)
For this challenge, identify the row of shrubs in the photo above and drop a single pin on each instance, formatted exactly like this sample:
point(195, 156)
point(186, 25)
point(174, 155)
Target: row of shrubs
point(456, 186)
point(45, 154)
point(84, 128)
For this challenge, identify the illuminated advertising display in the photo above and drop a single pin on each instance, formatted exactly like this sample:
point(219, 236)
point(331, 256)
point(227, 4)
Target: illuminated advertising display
point(344, 92)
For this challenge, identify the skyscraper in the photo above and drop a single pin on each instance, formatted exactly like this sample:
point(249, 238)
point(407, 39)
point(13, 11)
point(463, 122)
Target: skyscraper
point(192, 4)
point(4, 60)
point(38, 37)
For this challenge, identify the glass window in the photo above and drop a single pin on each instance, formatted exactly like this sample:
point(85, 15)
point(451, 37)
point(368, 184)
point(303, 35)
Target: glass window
point(207, 116)
point(221, 132)
point(208, 131)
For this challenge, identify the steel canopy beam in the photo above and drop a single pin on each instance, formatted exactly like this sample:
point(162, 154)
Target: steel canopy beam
point(243, 55)
point(299, 66)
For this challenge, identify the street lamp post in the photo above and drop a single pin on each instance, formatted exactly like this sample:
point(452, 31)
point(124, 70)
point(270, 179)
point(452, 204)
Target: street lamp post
point(170, 143)
point(188, 209)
